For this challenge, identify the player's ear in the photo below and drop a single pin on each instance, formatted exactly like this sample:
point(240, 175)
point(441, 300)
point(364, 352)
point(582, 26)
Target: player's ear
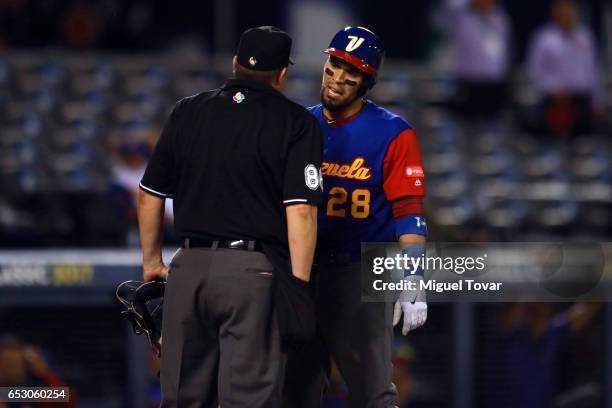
point(234, 62)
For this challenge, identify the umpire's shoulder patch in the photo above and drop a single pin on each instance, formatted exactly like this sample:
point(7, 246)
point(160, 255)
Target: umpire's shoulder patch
point(312, 176)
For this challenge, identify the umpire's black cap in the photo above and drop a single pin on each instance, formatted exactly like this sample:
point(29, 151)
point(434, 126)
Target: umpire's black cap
point(264, 48)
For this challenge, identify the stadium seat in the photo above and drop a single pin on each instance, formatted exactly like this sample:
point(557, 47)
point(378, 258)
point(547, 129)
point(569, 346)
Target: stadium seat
point(23, 181)
point(555, 213)
point(586, 169)
point(547, 164)
point(45, 101)
point(488, 142)
point(498, 163)
point(151, 79)
point(447, 186)
point(443, 163)
point(52, 73)
point(390, 90)
point(458, 211)
point(304, 90)
point(501, 204)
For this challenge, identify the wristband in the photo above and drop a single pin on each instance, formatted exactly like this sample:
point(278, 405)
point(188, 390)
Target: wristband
point(411, 224)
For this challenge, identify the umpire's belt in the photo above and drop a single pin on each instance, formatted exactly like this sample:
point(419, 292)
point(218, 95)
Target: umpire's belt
point(332, 258)
point(216, 244)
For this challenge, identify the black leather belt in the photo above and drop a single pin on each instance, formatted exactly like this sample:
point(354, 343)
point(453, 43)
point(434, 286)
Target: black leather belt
point(216, 244)
point(332, 258)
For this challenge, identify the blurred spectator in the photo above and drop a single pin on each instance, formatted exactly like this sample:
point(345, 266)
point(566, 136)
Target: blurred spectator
point(24, 366)
point(528, 352)
point(131, 156)
point(481, 38)
point(128, 168)
point(79, 26)
point(563, 66)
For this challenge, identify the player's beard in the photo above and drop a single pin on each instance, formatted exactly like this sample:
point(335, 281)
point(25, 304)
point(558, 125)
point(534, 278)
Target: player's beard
point(335, 106)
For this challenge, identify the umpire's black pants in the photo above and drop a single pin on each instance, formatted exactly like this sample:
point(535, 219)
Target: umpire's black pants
point(358, 336)
point(220, 340)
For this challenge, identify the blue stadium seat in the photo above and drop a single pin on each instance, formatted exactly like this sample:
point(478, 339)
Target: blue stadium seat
point(103, 75)
point(52, 73)
point(23, 181)
point(186, 85)
point(392, 89)
point(525, 144)
point(554, 213)
point(447, 186)
point(592, 168)
point(455, 212)
point(439, 139)
point(546, 165)
point(303, 90)
point(498, 163)
point(152, 79)
point(45, 101)
point(444, 163)
point(79, 109)
point(500, 204)
point(487, 142)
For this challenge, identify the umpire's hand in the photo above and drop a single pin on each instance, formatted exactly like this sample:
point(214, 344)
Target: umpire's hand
point(154, 272)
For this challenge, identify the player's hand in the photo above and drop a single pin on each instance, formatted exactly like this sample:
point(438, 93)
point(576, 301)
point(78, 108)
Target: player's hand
point(415, 315)
point(412, 304)
point(155, 272)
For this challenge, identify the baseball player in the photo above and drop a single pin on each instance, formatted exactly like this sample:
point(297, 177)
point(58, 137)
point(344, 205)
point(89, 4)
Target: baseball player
point(373, 187)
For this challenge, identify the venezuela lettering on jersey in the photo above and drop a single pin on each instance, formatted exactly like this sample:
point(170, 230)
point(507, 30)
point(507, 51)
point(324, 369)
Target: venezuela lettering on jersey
point(353, 171)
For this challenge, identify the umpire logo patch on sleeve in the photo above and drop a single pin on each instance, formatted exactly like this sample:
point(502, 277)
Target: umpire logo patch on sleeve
point(312, 177)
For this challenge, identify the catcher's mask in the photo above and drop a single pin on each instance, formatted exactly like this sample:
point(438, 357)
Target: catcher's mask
point(144, 303)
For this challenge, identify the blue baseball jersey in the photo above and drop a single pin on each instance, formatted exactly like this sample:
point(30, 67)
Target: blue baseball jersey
point(369, 160)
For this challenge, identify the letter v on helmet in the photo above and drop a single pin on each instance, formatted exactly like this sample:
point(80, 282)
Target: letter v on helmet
point(354, 43)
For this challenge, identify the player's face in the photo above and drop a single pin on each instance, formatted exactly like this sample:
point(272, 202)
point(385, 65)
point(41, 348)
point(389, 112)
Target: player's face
point(341, 84)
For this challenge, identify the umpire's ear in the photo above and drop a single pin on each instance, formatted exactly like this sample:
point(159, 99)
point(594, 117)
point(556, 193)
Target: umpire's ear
point(234, 62)
point(281, 79)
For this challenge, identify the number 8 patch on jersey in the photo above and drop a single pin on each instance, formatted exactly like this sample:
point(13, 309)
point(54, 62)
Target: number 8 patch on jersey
point(313, 177)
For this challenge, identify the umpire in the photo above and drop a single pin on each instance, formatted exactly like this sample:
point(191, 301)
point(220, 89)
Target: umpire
point(242, 165)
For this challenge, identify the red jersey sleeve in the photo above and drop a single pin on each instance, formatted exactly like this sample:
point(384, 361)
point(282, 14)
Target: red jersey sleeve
point(403, 172)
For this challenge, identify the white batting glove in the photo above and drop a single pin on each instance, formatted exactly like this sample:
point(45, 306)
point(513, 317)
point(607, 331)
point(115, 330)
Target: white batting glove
point(412, 304)
point(415, 315)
